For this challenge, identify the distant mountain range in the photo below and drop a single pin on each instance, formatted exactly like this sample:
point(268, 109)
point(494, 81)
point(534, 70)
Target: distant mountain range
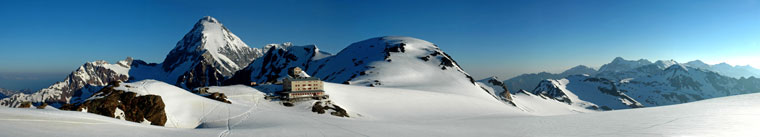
point(623, 84)
point(7, 92)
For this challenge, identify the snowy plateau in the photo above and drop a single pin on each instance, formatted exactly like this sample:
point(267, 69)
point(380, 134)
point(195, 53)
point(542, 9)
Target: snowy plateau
point(383, 86)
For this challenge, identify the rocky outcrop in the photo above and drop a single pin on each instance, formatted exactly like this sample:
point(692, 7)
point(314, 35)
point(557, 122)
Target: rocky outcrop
point(496, 88)
point(218, 97)
point(322, 107)
point(211, 95)
point(123, 105)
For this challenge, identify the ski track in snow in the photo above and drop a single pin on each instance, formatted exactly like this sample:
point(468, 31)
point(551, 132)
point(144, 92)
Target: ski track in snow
point(247, 115)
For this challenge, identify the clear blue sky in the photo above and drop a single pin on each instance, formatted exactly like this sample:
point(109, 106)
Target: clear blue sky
point(42, 41)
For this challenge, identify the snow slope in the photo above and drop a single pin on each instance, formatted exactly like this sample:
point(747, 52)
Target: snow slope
point(543, 105)
point(398, 62)
point(183, 109)
point(727, 116)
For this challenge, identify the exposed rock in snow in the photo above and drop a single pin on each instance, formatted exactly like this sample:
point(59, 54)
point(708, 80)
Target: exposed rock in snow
point(322, 107)
point(123, 105)
point(496, 88)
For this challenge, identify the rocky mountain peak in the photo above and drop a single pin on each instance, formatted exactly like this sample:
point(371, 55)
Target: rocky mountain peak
point(620, 64)
point(211, 41)
point(665, 63)
point(676, 67)
point(580, 69)
point(208, 19)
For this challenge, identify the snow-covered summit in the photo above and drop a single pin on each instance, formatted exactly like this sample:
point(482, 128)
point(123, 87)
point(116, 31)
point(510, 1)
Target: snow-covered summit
point(620, 64)
point(212, 42)
point(665, 63)
point(397, 61)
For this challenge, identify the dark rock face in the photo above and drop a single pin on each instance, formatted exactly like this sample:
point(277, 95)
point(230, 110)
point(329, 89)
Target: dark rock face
point(202, 75)
point(501, 84)
point(218, 97)
point(322, 107)
point(548, 89)
point(135, 108)
point(42, 106)
point(25, 105)
point(275, 64)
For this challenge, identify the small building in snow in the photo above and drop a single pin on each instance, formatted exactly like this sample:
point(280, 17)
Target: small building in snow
point(298, 85)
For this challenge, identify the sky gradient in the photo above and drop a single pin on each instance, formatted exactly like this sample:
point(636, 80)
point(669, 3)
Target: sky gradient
point(42, 41)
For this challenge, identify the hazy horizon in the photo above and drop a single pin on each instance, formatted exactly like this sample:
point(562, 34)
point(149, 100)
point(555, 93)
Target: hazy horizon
point(44, 41)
